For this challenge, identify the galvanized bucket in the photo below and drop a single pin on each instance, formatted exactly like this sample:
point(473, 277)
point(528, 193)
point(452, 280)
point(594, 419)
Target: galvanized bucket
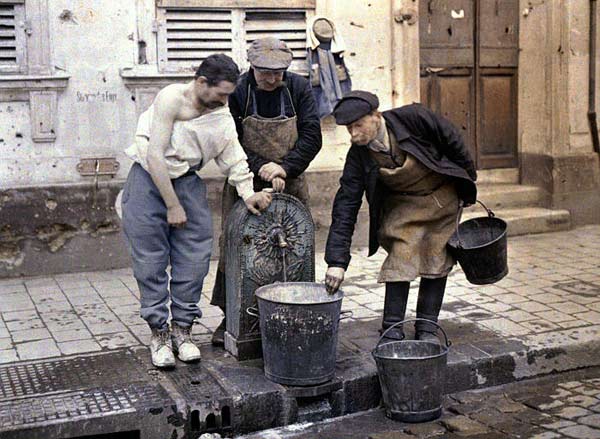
point(480, 247)
point(299, 327)
point(412, 374)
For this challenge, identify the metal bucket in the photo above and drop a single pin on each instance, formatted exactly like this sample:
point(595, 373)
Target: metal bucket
point(299, 326)
point(412, 375)
point(480, 247)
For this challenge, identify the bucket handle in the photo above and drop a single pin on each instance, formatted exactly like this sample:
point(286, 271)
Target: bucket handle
point(345, 315)
point(448, 343)
point(253, 311)
point(459, 215)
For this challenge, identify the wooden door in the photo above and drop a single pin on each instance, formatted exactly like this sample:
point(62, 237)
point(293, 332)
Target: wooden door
point(469, 53)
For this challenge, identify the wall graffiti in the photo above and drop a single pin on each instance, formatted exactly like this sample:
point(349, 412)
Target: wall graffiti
point(99, 96)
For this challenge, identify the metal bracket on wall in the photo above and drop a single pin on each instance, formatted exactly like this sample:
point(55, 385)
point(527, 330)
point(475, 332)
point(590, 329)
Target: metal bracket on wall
point(95, 167)
point(92, 167)
point(409, 16)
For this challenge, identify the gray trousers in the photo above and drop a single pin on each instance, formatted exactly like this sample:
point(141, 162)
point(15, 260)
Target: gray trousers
point(154, 245)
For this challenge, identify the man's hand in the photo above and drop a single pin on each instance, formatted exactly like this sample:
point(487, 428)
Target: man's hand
point(176, 216)
point(334, 278)
point(270, 171)
point(257, 202)
point(278, 184)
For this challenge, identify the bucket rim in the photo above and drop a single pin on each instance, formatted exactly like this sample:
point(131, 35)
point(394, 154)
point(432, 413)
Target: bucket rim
point(499, 237)
point(444, 352)
point(331, 298)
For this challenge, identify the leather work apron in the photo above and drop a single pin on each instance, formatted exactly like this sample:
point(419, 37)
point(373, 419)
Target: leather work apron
point(271, 138)
point(417, 218)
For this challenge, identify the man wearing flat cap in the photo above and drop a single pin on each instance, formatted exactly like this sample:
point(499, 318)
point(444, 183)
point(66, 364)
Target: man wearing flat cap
point(278, 126)
point(417, 172)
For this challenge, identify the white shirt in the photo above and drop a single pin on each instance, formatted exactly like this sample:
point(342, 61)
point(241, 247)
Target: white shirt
point(196, 142)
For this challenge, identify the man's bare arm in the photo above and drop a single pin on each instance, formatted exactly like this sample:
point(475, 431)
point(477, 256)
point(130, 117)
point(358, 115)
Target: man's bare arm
point(165, 111)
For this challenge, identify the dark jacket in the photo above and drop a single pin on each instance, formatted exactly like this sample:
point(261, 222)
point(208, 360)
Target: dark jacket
point(430, 138)
point(268, 105)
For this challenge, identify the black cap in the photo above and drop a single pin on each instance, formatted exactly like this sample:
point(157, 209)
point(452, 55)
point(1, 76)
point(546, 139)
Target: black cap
point(353, 106)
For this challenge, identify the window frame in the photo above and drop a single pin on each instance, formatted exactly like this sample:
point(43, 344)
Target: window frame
point(20, 65)
point(237, 9)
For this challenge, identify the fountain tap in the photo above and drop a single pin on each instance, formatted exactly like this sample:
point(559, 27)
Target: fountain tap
point(278, 237)
point(281, 242)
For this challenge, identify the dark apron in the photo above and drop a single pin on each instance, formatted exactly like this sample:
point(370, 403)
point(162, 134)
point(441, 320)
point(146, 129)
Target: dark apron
point(271, 138)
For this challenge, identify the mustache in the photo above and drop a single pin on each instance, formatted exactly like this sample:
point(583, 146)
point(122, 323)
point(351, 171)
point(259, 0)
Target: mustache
point(276, 85)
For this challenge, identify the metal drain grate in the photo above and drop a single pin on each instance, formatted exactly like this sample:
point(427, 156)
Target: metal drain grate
point(45, 393)
point(196, 384)
point(67, 374)
point(79, 405)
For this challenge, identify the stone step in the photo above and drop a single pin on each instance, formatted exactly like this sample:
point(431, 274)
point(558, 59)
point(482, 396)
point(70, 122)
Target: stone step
point(528, 220)
point(502, 175)
point(502, 195)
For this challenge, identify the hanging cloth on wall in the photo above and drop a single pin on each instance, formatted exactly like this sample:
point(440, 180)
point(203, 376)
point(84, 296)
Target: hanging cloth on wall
point(328, 74)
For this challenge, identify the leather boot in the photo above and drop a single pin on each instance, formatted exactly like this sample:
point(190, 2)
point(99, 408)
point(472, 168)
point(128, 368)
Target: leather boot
point(161, 348)
point(220, 300)
point(394, 308)
point(218, 337)
point(429, 304)
point(183, 345)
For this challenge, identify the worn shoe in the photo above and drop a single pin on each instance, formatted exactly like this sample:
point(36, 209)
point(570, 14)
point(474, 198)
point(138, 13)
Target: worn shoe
point(218, 337)
point(161, 350)
point(394, 334)
point(427, 336)
point(183, 345)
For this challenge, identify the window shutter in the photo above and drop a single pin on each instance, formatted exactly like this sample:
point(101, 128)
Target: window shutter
point(12, 41)
point(190, 35)
point(289, 26)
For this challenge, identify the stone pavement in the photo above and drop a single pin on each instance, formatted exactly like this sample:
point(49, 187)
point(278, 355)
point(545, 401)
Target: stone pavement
point(62, 336)
point(563, 406)
point(552, 294)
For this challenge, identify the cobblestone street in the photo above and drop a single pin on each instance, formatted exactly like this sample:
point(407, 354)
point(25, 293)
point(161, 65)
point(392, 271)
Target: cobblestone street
point(566, 406)
point(540, 320)
point(551, 293)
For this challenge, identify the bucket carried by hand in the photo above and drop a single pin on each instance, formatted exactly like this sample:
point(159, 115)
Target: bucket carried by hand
point(480, 247)
point(412, 374)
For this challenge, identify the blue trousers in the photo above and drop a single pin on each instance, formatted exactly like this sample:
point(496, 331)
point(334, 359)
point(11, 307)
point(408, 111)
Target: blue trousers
point(154, 245)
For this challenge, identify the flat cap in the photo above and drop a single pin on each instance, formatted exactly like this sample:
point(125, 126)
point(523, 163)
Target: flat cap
point(270, 54)
point(353, 106)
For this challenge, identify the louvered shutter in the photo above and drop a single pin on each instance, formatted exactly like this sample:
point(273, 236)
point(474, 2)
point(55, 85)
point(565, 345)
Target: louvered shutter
point(12, 37)
point(289, 26)
point(188, 36)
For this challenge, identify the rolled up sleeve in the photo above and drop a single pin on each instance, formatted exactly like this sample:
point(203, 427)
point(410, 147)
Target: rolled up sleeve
point(232, 161)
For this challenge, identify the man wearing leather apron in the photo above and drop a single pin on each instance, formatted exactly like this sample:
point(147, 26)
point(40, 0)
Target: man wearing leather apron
point(416, 171)
point(278, 126)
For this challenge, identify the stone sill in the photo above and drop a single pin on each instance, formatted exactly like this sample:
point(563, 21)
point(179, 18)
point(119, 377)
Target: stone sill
point(149, 75)
point(141, 76)
point(33, 82)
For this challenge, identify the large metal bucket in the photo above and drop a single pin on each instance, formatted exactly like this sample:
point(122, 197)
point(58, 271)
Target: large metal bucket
point(299, 326)
point(412, 375)
point(480, 247)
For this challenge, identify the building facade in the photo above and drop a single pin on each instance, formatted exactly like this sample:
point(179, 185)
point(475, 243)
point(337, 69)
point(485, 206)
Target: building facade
point(74, 76)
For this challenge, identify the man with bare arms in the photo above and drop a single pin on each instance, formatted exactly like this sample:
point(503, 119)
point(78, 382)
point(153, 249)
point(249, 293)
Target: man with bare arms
point(166, 217)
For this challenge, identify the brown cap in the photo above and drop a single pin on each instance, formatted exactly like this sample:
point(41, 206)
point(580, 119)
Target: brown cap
point(269, 54)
